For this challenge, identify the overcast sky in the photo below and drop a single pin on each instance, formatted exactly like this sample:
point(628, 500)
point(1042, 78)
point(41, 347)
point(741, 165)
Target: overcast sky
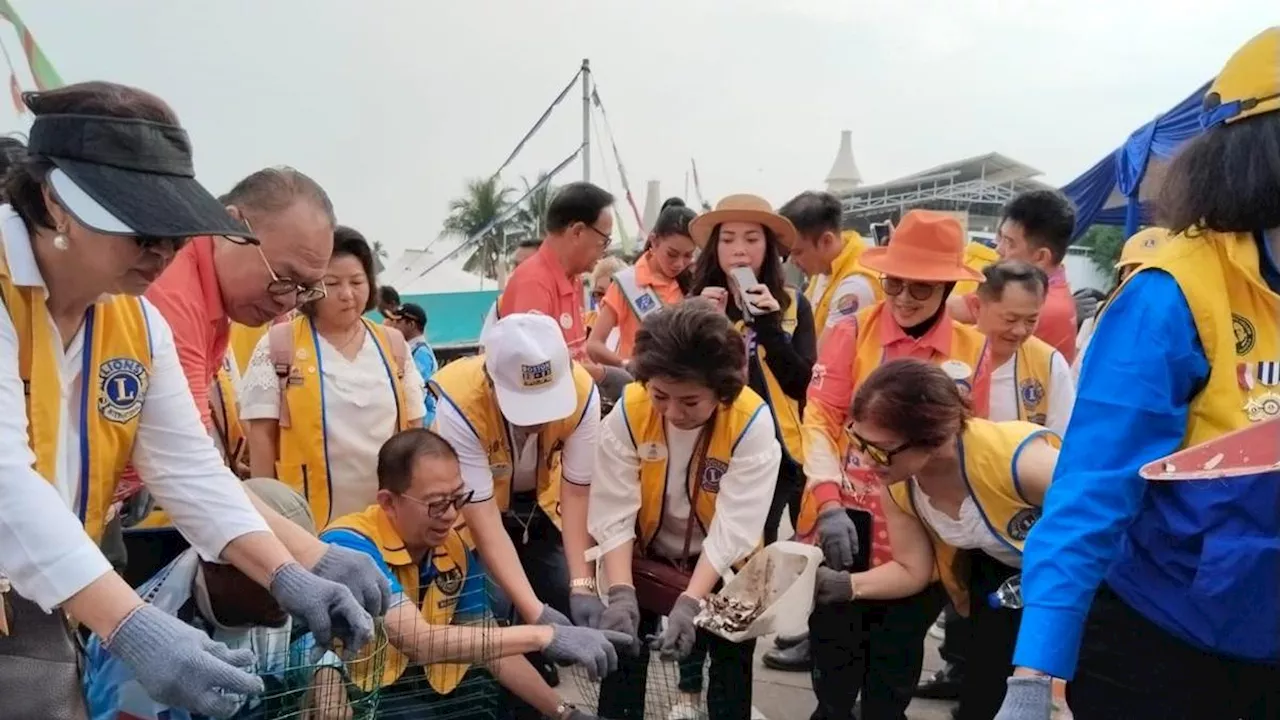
point(393, 104)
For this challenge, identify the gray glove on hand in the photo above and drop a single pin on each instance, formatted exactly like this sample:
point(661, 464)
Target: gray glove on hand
point(592, 649)
point(832, 587)
point(585, 609)
point(676, 642)
point(838, 537)
point(1027, 698)
point(328, 608)
point(577, 714)
point(552, 616)
point(181, 666)
point(623, 615)
point(361, 576)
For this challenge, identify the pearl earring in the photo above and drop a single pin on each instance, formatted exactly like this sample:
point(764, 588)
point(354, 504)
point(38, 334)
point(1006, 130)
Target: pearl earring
point(60, 241)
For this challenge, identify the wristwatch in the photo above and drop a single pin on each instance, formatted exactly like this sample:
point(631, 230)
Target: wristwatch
point(565, 709)
point(586, 583)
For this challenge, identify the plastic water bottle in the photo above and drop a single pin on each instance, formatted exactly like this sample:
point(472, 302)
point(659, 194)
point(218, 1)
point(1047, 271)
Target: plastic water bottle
point(1008, 595)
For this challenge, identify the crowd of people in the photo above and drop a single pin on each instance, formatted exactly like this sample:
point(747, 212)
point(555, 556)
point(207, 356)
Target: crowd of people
point(230, 493)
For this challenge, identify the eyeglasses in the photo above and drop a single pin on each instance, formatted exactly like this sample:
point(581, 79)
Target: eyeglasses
point(893, 287)
point(281, 287)
point(880, 456)
point(437, 508)
point(604, 239)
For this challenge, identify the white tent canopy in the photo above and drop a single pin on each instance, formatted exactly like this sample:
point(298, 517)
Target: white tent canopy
point(405, 274)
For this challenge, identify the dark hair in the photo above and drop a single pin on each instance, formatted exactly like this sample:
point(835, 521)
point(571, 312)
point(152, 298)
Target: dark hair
point(671, 202)
point(388, 295)
point(813, 213)
point(530, 243)
point(401, 452)
point(674, 220)
point(349, 241)
point(1226, 180)
point(275, 189)
point(914, 400)
point(1047, 218)
point(576, 202)
point(708, 272)
point(998, 275)
point(12, 152)
point(23, 184)
point(691, 342)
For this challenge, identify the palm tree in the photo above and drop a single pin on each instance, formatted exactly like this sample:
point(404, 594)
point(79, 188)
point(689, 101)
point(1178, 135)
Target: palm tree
point(378, 250)
point(484, 201)
point(532, 218)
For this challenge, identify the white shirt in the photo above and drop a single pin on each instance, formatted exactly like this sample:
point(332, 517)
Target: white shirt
point(1062, 393)
point(359, 412)
point(577, 460)
point(969, 532)
point(1082, 343)
point(742, 506)
point(43, 547)
point(853, 294)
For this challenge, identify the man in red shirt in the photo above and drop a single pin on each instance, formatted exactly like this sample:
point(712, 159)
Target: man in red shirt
point(1036, 227)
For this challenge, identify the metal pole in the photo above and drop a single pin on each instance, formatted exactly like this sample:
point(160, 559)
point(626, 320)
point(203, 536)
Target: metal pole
point(586, 120)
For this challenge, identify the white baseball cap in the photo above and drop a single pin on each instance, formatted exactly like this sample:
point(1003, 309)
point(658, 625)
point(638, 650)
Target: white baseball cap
point(526, 356)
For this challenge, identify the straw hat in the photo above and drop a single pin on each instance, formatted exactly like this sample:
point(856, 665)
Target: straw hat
point(742, 208)
point(1142, 247)
point(926, 246)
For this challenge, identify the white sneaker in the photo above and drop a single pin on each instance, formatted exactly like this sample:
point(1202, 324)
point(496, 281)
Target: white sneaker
point(937, 630)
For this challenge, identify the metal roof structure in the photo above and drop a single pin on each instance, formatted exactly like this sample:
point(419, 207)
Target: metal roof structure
point(980, 185)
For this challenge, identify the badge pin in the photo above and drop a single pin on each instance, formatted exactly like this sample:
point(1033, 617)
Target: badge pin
point(957, 369)
point(301, 354)
point(566, 321)
point(1269, 373)
point(311, 369)
point(1244, 375)
point(652, 452)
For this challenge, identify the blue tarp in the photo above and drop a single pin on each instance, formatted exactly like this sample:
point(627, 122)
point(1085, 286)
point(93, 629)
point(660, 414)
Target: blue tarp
point(452, 318)
point(1111, 192)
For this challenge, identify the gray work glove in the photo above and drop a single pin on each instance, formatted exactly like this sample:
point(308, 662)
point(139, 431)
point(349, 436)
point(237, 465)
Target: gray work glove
point(623, 615)
point(585, 609)
point(577, 714)
point(361, 576)
point(180, 666)
point(1027, 698)
point(328, 608)
point(838, 537)
point(676, 642)
point(832, 587)
point(552, 616)
point(592, 649)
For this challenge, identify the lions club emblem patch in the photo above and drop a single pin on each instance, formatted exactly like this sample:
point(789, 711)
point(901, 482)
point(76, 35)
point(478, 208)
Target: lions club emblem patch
point(122, 385)
point(712, 471)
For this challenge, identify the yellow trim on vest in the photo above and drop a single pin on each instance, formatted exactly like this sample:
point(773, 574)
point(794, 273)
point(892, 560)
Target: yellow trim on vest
point(303, 456)
point(1236, 316)
point(845, 265)
point(989, 455)
point(785, 409)
point(1033, 380)
point(465, 385)
point(437, 605)
point(115, 374)
point(647, 429)
point(242, 341)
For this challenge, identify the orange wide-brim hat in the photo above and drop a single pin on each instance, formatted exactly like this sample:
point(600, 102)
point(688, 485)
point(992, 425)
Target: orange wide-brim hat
point(742, 208)
point(926, 246)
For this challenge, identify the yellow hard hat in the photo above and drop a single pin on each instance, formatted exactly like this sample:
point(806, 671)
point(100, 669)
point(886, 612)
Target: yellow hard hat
point(1142, 246)
point(1249, 84)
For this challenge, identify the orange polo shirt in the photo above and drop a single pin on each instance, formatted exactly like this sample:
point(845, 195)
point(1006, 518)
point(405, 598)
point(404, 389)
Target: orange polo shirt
point(667, 290)
point(188, 297)
point(541, 284)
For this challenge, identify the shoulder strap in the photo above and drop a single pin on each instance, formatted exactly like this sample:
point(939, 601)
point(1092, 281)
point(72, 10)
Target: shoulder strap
point(280, 344)
point(399, 349)
point(642, 301)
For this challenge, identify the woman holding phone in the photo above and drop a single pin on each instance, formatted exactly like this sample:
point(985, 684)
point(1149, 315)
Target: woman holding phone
point(740, 269)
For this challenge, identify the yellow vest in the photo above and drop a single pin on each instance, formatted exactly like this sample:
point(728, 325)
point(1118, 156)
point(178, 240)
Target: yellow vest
point(786, 410)
point(648, 431)
point(1033, 375)
point(988, 451)
point(1236, 316)
point(845, 265)
point(976, 256)
point(114, 378)
point(242, 341)
point(465, 385)
point(303, 462)
point(437, 604)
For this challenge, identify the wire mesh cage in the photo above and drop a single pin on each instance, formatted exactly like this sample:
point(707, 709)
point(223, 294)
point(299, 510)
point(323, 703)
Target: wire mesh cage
point(647, 687)
point(304, 681)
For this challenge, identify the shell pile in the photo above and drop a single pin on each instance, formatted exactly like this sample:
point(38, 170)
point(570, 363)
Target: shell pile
point(728, 614)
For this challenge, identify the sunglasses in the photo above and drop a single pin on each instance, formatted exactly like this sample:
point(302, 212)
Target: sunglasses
point(879, 455)
point(438, 508)
point(893, 287)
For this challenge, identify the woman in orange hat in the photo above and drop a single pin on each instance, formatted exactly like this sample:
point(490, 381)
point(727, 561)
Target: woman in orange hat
point(919, 268)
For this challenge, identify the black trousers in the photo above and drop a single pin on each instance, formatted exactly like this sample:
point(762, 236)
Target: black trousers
point(622, 693)
point(1131, 668)
point(994, 632)
point(542, 556)
point(955, 639)
point(148, 551)
point(787, 494)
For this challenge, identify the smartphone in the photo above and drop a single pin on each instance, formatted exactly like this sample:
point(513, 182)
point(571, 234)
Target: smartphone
point(862, 520)
point(880, 232)
point(742, 278)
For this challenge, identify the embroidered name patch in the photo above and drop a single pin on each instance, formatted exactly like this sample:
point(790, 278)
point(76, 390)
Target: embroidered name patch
point(532, 376)
point(123, 384)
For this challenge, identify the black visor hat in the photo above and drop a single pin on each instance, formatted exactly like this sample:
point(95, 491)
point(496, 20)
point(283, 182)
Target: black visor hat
point(132, 177)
